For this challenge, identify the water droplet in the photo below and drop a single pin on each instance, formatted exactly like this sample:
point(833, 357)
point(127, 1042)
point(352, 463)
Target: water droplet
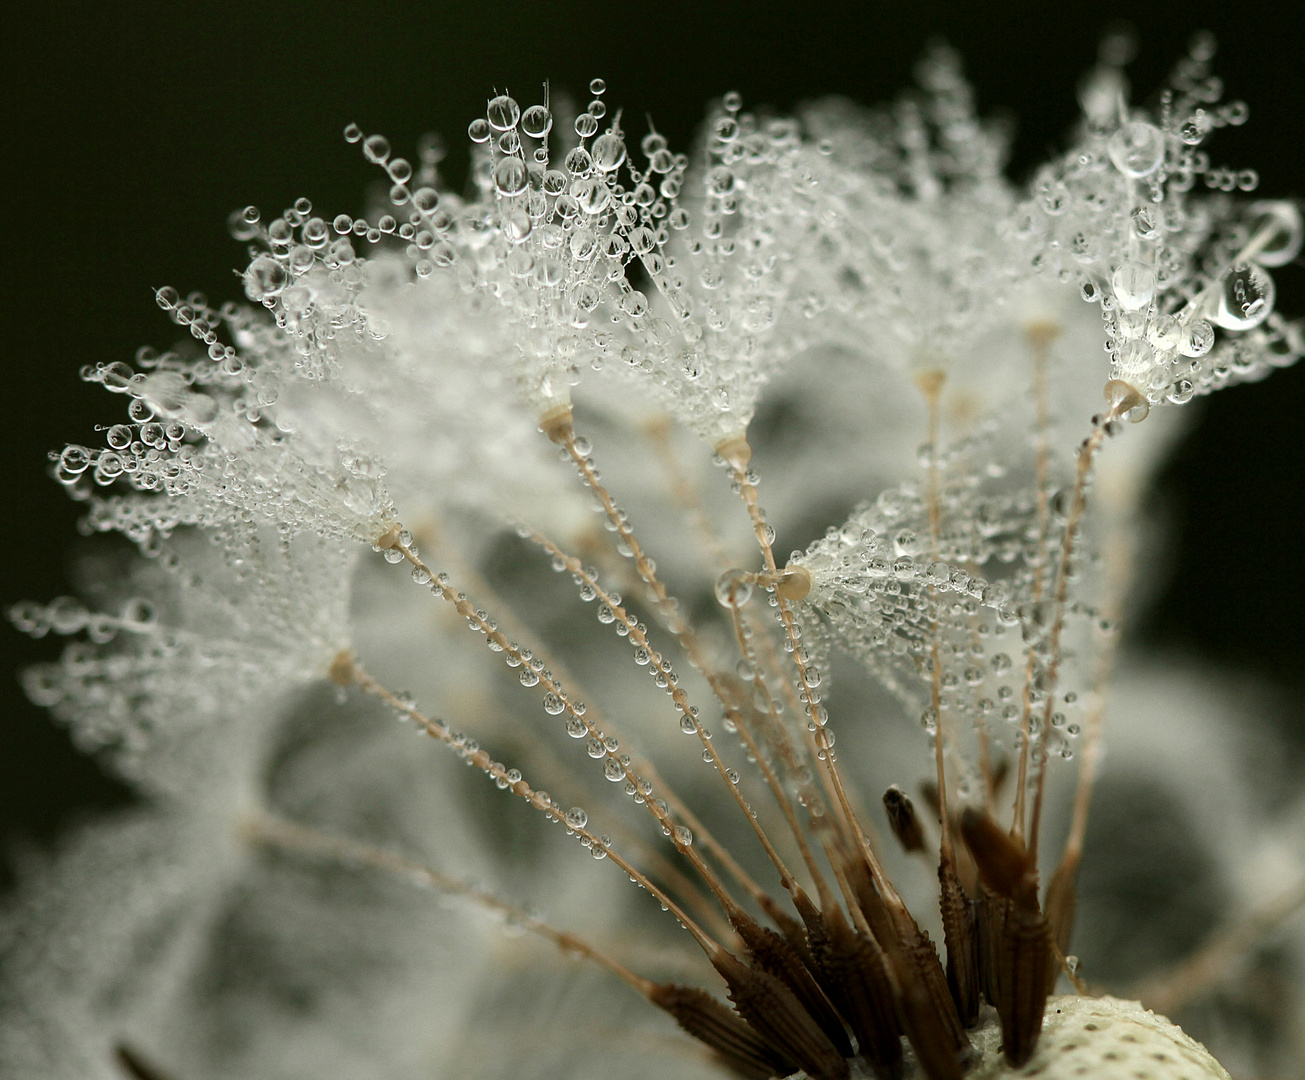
point(511, 176)
point(376, 149)
point(1146, 222)
point(576, 818)
point(593, 196)
point(734, 588)
point(578, 162)
point(634, 303)
point(1133, 284)
point(502, 113)
point(1196, 339)
point(1246, 296)
point(1277, 228)
point(536, 121)
point(1137, 148)
point(608, 151)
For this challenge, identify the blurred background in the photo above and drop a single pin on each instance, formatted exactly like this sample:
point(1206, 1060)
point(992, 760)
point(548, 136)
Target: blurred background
point(138, 127)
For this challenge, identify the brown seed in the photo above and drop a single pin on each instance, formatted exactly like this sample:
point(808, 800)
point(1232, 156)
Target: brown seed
point(718, 1027)
point(775, 1014)
point(902, 819)
point(1004, 864)
point(961, 941)
point(773, 954)
point(854, 971)
point(134, 1065)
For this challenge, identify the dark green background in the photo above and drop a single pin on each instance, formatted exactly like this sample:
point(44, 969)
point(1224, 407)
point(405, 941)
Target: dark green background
point(135, 128)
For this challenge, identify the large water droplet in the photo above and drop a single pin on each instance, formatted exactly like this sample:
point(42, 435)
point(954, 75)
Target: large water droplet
point(608, 151)
point(536, 121)
point(1137, 148)
point(733, 588)
point(1246, 296)
point(503, 113)
point(1133, 284)
point(511, 176)
point(1277, 227)
point(376, 149)
point(1197, 338)
point(265, 277)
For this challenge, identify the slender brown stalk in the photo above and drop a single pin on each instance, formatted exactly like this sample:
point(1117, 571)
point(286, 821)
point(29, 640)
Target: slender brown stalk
point(279, 834)
point(346, 671)
point(439, 584)
point(1040, 336)
point(688, 713)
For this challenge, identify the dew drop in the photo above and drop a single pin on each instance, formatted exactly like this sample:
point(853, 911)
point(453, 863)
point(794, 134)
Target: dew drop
point(1133, 284)
point(1196, 339)
point(376, 149)
point(1137, 148)
point(1246, 296)
point(503, 113)
point(511, 176)
point(733, 588)
point(536, 121)
point(1277, 228)
point(608, 151)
